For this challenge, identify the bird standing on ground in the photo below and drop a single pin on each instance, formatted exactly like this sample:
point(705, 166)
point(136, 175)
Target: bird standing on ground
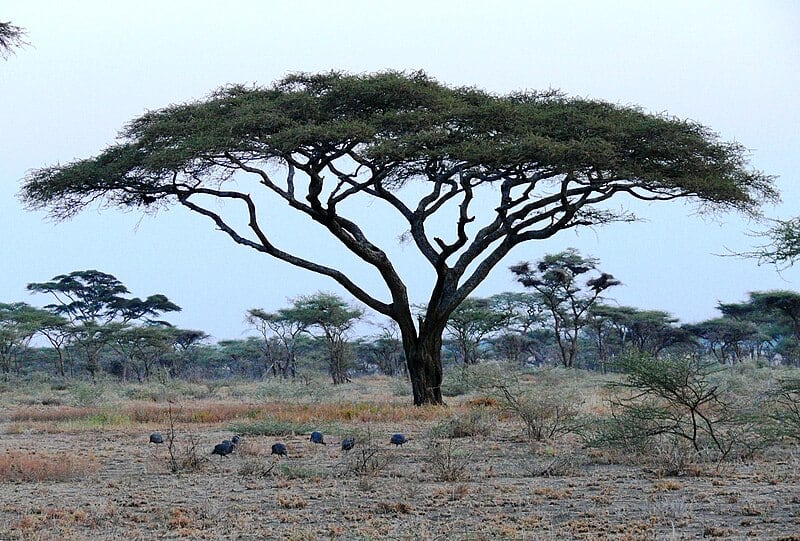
point(156, 438)
point(398, 439)
point(223, 449)
point(279, 449)
point(316, 437)
point(348, 443)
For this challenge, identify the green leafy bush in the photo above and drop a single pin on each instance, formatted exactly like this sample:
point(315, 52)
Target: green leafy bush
point(471, 378)
point(86, 394)
point(547, 411)
point(680, 405)
point(476, 422)
point(271, 427)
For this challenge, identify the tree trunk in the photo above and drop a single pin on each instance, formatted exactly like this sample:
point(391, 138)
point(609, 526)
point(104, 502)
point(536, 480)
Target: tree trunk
point(424, 360)
point(337, 368)
point(60, 362)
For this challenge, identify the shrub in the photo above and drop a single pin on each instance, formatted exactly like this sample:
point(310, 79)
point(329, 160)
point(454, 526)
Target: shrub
point(272, 427)
point(294, 390)
point(290, 470)
point(188, 458)
point(256, 468)
point(678, 402)
point(86, 394)
point(546, 412)
point(785, 413)
point(448, 461)
point(367, 458)
point(400, 387)
point(476, 422)
point(556, 464)
point(471, 378)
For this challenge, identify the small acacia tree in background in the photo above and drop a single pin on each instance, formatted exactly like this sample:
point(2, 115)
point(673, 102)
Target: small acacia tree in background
point(19, 323)
point(471, 323)
point(555, 280)
point(284, 328)
point(96, 306)
point(615, 329)
point(334, 318)
point(385, 351)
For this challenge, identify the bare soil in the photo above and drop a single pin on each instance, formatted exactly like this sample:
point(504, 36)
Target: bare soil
point(496, 491)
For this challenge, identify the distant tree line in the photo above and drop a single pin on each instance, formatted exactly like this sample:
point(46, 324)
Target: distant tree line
point(561, 317)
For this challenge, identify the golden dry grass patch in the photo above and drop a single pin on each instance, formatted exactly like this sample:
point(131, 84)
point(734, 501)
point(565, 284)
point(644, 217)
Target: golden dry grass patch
point(18, 466)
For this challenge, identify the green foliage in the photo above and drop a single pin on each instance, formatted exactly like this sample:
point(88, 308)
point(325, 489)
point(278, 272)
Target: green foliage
point(467, 379)
point(95, 297)
point(614, 329)
point(19, 323)
point(331, 315)
point(406, 120)
point(725, 337)
point(324, 144)
point(283, 330)
point(547, 410)
point(86, 394)
point(272, 427)
point(475, 422)
point(472, 322)
point(680, 402)
point(766, 324)
point(97, 311)
point(783, 244)
point(555, 281)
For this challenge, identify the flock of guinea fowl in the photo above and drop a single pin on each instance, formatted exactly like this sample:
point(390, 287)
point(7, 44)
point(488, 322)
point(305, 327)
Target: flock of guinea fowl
point(279, 448)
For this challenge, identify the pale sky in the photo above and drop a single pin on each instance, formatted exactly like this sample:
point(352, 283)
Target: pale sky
point(93, 66)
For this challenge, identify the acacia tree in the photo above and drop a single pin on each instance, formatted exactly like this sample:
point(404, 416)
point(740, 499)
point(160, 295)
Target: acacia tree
point(332, 316)
point(555, 281)
point(186, 349)
point(385, 350)
point(775, 313)
point(143, 348)
point(286, 330)
point(95, 305)
point(528, 164)
point(471, 323)
point(726, 338)
point(520, 340)
point(617, 328)
point(19, 323)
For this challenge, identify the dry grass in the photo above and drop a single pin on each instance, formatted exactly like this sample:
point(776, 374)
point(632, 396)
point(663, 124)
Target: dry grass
point(22, 467)
point(353, 411)
point(487, 484)
point(202, 412)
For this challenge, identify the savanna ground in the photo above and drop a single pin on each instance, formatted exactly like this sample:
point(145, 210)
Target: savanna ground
point(75, 463)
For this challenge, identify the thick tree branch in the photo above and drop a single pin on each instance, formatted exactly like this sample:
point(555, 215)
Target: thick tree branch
point(265, 246)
